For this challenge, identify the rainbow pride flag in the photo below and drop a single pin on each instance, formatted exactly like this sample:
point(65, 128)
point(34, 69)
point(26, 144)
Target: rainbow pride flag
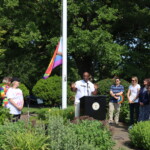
point(55, 61)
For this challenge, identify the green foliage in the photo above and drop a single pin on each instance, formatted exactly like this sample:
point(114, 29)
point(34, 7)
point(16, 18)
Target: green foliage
point(62, 137)
point(56, 134)
point(105, 38)
point(124, 112)
point(4, 115)
point(86, 135)
point(50, 90)
point(96, 51)
point(2, 50)
point(33, 110)
point(130, 30)
point(9, 128)
point(94, 133)
point(22, 137)
point(104, 89)
point(140, 135)
point(67, 114)
point(24, 90)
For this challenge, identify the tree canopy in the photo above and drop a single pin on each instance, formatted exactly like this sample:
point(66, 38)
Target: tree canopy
point(106, 38)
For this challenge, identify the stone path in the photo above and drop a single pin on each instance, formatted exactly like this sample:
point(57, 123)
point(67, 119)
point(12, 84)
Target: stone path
point(121, 137)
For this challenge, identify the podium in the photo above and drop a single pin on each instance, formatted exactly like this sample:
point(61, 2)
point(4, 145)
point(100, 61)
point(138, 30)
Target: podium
point(93, 106)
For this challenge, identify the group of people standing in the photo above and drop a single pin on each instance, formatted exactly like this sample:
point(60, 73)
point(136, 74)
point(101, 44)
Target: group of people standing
point(12, 97)
point(138, 98)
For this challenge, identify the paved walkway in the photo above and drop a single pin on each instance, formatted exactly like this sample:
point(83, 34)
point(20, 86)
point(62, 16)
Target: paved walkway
point(121, 137)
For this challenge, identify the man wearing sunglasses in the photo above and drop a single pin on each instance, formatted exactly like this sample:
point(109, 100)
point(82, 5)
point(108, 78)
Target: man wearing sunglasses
point(116, 90)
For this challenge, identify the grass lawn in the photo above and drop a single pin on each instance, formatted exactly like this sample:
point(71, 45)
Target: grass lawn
point(33, 110)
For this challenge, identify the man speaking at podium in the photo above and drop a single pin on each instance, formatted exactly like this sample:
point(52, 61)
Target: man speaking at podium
point(83, 88)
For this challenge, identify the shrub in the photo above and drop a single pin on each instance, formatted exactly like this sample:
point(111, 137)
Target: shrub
point(104, 89)
point(10, 127)
point(24, 90)
point(61, 136)
point(94, 133)
point(124, 112)
point(87, 135)
point(50, 90)
point(22, 137)
point(4, 115)
point(140, 135)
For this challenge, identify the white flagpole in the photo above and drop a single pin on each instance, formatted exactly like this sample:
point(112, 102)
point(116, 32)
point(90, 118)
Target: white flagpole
point(64, 64)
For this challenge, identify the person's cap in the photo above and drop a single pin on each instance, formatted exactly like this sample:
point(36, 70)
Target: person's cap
point(15, 79)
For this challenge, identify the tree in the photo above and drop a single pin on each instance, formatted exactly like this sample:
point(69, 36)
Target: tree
point(2, 50)
point(105, 38)
point(91, 43)
point(132, 29)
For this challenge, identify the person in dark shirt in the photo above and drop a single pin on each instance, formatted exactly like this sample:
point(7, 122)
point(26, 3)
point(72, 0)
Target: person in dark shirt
point(146, 104)
point(142, 93)
point(115, 91)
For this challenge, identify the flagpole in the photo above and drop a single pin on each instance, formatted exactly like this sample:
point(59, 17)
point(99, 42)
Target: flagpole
point(64, 54)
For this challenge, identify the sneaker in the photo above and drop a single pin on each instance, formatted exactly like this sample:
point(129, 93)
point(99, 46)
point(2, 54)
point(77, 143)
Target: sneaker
point(110, 122)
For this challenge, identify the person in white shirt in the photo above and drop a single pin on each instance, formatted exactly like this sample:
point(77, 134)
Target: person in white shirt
point(15, 99)
point(133, 98)
point(83, 88)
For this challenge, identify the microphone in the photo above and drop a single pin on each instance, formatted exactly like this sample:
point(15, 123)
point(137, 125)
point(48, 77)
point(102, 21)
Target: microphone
point(87, 89)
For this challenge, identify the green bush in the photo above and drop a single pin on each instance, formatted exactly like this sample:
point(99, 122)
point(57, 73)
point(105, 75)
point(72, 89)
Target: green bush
point(94, 133)
point(4, 115)
point(87, 135)
point(24, 90)
point(10, 127)
point(50, 90)
point(124, 112)
point(20, 136)
point(140, 135)
point(61, 136)
point(104, 89)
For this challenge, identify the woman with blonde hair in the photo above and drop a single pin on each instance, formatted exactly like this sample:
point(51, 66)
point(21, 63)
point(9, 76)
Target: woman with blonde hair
point(133, 98)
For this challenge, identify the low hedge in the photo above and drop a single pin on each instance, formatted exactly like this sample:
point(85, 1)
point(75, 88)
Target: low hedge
point(140, 135)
